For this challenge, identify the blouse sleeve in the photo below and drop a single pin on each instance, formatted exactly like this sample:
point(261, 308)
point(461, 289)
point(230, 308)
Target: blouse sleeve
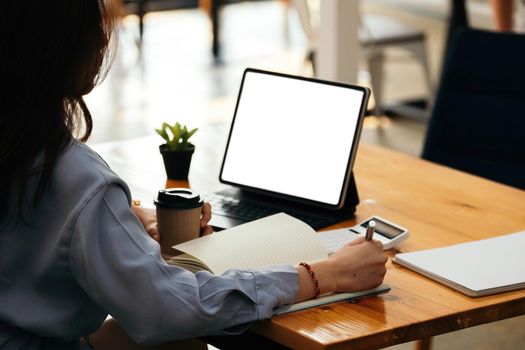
point(120, 268)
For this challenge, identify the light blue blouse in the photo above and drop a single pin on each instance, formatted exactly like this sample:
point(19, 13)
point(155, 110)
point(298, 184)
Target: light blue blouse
point(82, 254)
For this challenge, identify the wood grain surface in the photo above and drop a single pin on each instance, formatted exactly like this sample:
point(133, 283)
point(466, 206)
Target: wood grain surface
point(440, 206)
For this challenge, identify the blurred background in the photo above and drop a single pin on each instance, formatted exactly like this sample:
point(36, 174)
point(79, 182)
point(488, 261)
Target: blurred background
point(172, 74)
point(178, 70)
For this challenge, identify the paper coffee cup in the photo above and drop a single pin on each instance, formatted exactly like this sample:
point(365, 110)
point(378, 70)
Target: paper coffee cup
point(178, 217)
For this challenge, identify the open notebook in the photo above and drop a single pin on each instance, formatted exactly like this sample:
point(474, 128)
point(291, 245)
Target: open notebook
point(475, 268)
point(279, 239)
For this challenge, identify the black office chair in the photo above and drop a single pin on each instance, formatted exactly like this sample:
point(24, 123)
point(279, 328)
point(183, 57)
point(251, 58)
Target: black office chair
point(478, 121)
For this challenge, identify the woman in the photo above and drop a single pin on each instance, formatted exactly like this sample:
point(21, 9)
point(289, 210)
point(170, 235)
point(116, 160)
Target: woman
point(72, 248)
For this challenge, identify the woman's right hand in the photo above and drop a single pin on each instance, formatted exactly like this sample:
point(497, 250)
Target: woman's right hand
point(358, 266)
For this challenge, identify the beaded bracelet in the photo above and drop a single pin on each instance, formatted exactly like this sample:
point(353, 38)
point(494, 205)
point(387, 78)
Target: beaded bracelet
point(314, 279)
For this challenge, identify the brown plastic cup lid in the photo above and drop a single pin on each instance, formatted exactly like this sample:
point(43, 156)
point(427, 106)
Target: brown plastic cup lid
point(178, 198)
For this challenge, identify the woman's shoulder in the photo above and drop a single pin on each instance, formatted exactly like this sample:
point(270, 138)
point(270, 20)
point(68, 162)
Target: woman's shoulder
point(79, 165)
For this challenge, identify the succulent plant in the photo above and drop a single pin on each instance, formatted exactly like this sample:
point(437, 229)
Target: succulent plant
point(176, 136)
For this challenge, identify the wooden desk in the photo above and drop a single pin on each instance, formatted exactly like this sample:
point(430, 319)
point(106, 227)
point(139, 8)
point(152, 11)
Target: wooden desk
point(439, 205)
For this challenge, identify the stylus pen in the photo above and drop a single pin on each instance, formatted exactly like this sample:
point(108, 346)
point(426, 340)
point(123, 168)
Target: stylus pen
point(370, 230)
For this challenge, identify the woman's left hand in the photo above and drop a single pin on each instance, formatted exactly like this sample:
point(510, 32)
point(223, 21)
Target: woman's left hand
point(205, 219)
point(148, 218)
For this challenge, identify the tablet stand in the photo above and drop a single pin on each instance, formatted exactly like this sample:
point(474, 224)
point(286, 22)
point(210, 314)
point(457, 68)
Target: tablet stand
point(352, 197)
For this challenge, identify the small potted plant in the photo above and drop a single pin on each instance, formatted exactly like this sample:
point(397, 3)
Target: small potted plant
point(177, 150)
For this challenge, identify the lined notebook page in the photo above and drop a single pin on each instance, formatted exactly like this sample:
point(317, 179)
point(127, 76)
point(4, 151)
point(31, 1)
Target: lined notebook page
point(475, 268)
point(275, 240)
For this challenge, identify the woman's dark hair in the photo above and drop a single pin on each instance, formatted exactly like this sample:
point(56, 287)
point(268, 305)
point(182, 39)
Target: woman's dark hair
point(53, 53)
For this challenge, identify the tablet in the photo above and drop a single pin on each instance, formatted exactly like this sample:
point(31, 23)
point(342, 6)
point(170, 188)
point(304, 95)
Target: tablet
point(294, 137)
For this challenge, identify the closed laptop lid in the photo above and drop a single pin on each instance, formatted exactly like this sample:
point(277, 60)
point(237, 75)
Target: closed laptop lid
point(294, 138)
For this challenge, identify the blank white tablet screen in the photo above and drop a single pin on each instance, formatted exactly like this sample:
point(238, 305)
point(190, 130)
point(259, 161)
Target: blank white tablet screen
point(292, 136)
